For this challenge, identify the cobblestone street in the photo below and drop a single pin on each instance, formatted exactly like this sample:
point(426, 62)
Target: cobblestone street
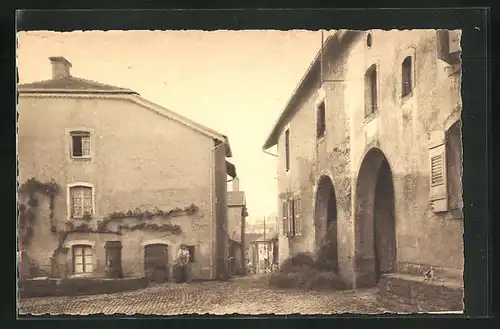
point(240, 295)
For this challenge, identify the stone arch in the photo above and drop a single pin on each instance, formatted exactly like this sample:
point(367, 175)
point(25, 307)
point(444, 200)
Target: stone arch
point(325, 216)
point(375, 224)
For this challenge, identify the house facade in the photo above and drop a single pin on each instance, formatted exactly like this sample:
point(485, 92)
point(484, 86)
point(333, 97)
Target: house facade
point(369, 157)
point(236, 217)
point(265, 252)
point(119, 183)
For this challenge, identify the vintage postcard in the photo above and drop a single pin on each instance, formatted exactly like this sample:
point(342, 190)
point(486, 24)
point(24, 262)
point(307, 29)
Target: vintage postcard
point(248, 172)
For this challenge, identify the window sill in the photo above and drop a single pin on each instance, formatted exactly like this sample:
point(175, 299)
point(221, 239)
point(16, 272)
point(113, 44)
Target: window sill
point(80, 275)
point(81, 159)
point(370, 116)
point(320, 140)
point(405, 98)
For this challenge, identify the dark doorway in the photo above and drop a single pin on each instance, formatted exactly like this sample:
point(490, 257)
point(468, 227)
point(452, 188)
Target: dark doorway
point(326, 224)
point(114, 259)
point(384, 231)
point(375, 224)
point(156, 262)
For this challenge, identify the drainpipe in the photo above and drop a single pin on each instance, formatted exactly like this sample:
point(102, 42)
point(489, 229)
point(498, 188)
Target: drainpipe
point(215, 236)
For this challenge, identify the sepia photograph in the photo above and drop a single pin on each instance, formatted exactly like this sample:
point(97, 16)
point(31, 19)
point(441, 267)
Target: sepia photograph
point(248, 172)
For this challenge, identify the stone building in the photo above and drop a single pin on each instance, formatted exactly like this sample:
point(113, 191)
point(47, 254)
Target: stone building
point(369, 157)
point(265, 252)
point(128, 182)
point(237, 213)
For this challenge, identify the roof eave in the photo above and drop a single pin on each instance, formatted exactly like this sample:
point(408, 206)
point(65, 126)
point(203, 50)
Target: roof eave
point(272, 139)
point(74, 91)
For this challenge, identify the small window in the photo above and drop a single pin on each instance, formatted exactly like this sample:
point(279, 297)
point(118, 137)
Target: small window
point(369, 40)
point(191, 250)
point(82, 259)
point(287, 149)
point(371, 90)
point(320, 123)
point(81, 201)
point(80, 145)
point(406, 76)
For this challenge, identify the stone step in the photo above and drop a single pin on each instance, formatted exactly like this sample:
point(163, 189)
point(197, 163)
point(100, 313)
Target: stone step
point(433, 296)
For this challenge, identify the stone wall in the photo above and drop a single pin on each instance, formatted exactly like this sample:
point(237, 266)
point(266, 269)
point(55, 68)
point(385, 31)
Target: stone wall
point(81, 286)
point(410, 294)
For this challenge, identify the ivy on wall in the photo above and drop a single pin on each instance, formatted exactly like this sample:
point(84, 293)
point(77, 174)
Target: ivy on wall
point(145, 215)
point(84, 228)
point(27, 211)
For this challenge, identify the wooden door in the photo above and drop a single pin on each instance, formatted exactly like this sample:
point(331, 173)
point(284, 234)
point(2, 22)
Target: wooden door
point(114, 259)
point(156, 262)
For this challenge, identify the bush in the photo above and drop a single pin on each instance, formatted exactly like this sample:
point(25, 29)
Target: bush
point(302, 272)
point(300, 260)
point(307, 278)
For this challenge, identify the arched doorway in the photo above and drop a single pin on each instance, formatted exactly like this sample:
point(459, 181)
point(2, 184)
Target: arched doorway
point(375, 224)
point(326, 224)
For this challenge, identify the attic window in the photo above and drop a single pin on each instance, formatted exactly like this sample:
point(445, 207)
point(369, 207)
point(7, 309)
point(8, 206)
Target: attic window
point(80, 144)
point(369, 40)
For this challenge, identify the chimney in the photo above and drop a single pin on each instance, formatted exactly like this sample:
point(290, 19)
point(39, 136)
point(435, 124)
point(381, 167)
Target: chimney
point(60, 67)
point(236, 184)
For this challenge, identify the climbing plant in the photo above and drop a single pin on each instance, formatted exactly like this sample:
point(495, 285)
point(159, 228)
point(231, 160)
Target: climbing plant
point(144, 215)
point(27, 211)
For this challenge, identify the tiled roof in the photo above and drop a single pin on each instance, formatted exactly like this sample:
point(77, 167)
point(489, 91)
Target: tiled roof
point(267, 237)
point(251, 237)
point(71, 84)
point(235, 198)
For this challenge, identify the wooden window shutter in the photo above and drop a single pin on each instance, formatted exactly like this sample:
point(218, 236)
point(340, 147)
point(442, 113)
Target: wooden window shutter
point(438, 172)
point(285, 218)
point(298, 216)
point(291, 220)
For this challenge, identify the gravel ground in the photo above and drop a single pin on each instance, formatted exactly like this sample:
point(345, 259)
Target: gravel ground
point(248, 295)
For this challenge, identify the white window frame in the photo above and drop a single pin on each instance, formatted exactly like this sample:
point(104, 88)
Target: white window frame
point(69, 201)
point(83, 247)
point(80, 131)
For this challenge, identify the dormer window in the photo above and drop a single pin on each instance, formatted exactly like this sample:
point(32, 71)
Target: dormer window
point(80, 144)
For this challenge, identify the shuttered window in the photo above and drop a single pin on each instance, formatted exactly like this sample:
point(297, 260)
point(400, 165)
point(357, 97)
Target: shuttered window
point(438, 175)
point(291, 224)
point(285, 218)
point(437, 170)
point(298, 216)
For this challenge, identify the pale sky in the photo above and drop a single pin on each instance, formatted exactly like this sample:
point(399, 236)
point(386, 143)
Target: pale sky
point(235, 82)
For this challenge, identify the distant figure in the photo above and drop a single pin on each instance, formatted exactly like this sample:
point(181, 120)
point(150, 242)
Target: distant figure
point(250, 267)
point(429, 274)
point(182, 264)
